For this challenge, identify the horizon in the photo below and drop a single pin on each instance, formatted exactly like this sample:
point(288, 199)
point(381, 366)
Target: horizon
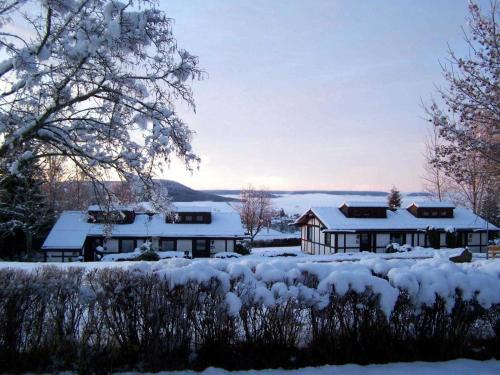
point(321, 97)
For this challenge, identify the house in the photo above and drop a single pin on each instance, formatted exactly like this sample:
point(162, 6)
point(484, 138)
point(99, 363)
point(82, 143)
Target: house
point(201, 231)
point(371, 226)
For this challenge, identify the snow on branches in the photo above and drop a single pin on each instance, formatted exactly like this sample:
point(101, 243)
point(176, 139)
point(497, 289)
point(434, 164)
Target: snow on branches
point(95, 82)
point(470, 119)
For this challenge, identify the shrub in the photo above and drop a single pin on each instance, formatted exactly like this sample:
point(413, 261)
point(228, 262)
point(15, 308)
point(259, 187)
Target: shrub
point(433, 236)
point(148, 255)
point(241, 316)
point(242, 249)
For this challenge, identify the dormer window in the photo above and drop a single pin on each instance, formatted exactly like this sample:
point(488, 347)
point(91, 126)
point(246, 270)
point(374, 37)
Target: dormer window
point(114, 215)
point(190, 217)
point(364, 209)
point(431, 209)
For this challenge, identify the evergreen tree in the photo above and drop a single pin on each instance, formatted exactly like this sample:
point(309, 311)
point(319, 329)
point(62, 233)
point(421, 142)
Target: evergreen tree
point(24, 212)
point(394, 198)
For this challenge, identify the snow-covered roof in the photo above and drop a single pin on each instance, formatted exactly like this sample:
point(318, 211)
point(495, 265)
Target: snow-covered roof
point(335, 220)
point(114, 207)
point(365, 204)
point(72, 228)
point(433, 204)
point(69, 231)
point(147, 207)
point(179, 208)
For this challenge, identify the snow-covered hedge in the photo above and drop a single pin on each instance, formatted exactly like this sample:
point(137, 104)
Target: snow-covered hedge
point(239, 313)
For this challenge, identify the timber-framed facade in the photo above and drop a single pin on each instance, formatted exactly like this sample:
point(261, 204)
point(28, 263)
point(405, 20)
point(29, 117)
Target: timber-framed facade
point(330, 230)
point(197, 231)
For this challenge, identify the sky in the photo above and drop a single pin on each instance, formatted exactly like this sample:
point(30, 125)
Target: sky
point(313, 94)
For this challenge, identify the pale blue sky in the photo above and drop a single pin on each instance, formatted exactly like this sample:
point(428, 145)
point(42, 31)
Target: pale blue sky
point(313, 94)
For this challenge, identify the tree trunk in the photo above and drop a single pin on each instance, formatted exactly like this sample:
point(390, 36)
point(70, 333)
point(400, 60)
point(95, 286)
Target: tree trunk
point(29, 244)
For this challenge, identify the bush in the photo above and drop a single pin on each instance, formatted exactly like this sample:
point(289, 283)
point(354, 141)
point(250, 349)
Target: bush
point(104, 320)
point(242, 249)
point(433, 237)
point(148, 255)
point(277, 242)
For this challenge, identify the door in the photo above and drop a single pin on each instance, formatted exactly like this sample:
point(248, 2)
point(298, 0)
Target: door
point(365, 242)
point(89, 250)
point(201, 249)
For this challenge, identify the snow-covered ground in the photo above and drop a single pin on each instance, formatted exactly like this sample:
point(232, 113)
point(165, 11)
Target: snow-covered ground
point(137, 252)
point(268, 234)
point(263, 254)
point(416, 253)
point(459, 366)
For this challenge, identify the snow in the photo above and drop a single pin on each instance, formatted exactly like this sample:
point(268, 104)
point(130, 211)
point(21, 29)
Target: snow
point(366, 204)
point(227, 254)
point(181, 208)
point(273, 234)
point(270, 280)
point(458, 366)
point(69, 232)
point(277, 251)
point(300, 203)
point(233, 304)
point(433, 204)
point(137, 252)
point(72, 228)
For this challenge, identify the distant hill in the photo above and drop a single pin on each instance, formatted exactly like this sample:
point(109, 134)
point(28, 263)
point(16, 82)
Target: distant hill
point(275, 193)
point(419, 194)
point(279, 192)
point(182, 193)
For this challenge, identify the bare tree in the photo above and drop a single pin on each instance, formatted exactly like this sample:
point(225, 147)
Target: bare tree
point(95, 82)
point(435, 181)
point(255, 209)
point(468, 117)
point(471, 100)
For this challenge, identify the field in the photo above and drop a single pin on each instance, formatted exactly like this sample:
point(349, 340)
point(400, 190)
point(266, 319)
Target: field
point(299, 203)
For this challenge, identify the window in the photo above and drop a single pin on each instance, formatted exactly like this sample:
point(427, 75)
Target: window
point(434, 213)
point(200, 245)
point(444, 213)
point(188, 218)
point(128, 246)
point(112, 246)
point(199, 219)
point(328, 239)
point(425, 213)
point(396, 238)
point(309, 233)
point(167, 245)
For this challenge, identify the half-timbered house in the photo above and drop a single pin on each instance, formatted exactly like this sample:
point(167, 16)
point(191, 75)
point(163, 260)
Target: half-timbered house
point(199, 231)
point(371, 226)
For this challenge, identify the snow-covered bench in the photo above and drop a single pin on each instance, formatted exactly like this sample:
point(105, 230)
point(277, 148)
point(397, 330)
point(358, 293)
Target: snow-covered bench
point(493, 251)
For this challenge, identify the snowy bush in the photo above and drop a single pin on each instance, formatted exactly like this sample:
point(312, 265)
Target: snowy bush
point(183, 313)
point(397, 248)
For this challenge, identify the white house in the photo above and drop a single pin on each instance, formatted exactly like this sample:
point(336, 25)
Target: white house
point(371, 226)
point(201, 231)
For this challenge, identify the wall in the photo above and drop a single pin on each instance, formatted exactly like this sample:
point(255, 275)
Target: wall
point(57, 256)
